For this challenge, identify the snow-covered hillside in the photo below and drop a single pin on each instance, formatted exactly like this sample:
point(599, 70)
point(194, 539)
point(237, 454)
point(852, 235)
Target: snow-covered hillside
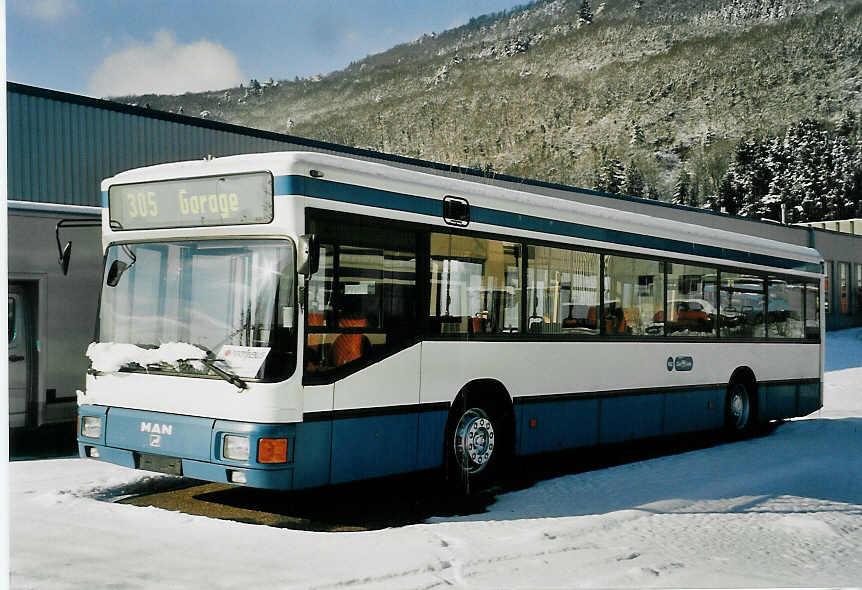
point(781, 510)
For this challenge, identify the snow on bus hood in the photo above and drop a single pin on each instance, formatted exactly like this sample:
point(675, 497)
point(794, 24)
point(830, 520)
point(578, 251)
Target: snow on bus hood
point(109, 357)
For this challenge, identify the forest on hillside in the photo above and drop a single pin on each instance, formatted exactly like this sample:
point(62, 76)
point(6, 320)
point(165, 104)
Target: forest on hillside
point(736, 105)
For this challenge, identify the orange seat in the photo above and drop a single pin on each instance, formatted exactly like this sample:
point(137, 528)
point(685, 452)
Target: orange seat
point(317, 320)
point(349, 347)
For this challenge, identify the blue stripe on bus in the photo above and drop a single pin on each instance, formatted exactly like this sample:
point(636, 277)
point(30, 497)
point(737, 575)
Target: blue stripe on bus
point(104, 198)
point(382, 443)
point(359, 195)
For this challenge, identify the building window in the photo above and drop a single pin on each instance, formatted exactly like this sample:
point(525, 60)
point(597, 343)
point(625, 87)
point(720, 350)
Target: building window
point(844, 288)
point(562, 291)
point(691, 300)
point(475, 285)
point(742, 305)
point(858, 292)
point(633, 297)
point(828, 288)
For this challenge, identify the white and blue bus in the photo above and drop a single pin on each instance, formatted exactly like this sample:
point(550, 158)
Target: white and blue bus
point(291, 320)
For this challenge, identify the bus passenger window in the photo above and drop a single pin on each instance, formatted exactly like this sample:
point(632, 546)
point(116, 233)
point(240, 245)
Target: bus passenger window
point(361, 302)
point(633, 296)
point(742, 306)
point(562, 291)
point(691, 301)
point(812, 311)
point(784, 309)
point(475, 285)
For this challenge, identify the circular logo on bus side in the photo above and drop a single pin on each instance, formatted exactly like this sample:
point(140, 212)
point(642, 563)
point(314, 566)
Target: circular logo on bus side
point(670, 363)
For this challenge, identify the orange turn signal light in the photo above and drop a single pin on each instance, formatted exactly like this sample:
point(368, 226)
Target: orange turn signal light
point(272, 450)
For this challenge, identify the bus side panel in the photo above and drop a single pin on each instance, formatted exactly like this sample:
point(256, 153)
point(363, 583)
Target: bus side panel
point(630, 417)
point(688, 411)
point(810, 398)
point(312, 452)
point(558, 425)
point(780, 401)
point(373, 446)
point(377, 423)
point(432, 427)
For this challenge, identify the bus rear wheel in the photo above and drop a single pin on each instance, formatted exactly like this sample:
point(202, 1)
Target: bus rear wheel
point(738, 414)
point(475, 447)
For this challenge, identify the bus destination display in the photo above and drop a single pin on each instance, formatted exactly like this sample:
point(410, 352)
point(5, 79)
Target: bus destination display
point(236, 199)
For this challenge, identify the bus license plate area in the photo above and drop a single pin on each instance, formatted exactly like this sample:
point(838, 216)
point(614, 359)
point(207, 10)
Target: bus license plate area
point(160, 464)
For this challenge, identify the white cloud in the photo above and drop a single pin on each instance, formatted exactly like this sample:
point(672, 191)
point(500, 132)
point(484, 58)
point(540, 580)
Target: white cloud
point(166, 67)
point(46, 10)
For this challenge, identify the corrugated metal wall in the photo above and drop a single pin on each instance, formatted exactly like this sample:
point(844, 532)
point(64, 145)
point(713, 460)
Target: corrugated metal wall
point(61, 146)
point(59, 150)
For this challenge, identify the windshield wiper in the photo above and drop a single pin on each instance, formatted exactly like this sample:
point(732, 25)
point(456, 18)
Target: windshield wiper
point(231, 378)
point(210, 361)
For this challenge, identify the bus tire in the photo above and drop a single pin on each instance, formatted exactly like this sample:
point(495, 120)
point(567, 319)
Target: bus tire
point(739, 413)
point(477, 443)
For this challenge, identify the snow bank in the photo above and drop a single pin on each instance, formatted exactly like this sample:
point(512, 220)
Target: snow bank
point(780, 510)
point(844, 349)
point(109, 357)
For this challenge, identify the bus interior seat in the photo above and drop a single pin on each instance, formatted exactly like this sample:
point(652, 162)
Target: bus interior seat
point(631, 319)
point(350, 347)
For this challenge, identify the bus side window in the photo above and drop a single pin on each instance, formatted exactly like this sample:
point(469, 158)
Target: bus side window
point(475, 285)
point(362, 300)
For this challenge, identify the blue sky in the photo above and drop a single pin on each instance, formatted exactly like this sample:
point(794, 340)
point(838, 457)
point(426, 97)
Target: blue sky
point(116, 47)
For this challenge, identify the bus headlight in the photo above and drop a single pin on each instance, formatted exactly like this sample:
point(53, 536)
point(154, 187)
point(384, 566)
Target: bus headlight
point(91, 426)
point(235, 447)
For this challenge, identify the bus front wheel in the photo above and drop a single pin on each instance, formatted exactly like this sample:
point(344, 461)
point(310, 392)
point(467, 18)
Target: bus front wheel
point(475, 447)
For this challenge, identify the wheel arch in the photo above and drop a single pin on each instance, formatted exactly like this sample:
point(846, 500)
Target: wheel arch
point(746, 375)
point(486, 391)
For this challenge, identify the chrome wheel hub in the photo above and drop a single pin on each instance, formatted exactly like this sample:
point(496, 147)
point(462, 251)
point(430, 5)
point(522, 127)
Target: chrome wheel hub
point(739, 406)
point(474, 440)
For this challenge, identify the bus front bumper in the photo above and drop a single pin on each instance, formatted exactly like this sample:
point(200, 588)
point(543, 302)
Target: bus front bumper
point(199, 448)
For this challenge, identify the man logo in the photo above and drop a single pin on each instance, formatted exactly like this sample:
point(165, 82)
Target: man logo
point(155, 428)
point(155, 440)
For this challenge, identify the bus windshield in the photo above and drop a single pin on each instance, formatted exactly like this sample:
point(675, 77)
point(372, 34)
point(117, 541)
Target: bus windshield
point(233, 299)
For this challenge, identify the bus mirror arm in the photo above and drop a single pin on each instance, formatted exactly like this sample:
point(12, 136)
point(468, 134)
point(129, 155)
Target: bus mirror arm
point(308, 255)
point(301, 293)
point(66, 251)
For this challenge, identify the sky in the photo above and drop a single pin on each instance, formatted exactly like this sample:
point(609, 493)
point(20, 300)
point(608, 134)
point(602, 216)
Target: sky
point(107, 48)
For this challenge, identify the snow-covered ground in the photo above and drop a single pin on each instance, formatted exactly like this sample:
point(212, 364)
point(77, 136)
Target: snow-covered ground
point(781, 510)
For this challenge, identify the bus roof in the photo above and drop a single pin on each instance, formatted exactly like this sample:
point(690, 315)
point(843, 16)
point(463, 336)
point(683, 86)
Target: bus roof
point(523, 204)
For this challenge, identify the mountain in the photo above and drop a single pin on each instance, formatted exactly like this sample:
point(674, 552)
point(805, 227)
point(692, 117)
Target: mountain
point(580, 93)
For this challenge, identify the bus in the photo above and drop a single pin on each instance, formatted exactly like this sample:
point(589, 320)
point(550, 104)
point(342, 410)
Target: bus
point(292, 320)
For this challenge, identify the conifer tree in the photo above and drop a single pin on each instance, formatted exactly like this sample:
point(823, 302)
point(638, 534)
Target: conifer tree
point(681, 189)
point(637, 137)
point(585, 13)
point(634, 183)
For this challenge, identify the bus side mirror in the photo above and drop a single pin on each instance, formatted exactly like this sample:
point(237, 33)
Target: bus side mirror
point(118, 267)
point(308, 257)
point(65, 257)
point(66, 252)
